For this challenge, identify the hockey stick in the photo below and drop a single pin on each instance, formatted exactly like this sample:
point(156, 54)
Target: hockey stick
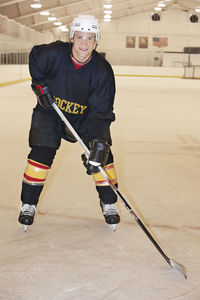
point(174, 265)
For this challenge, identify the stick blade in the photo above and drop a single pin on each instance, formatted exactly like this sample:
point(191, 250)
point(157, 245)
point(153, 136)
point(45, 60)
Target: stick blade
point(178, 268)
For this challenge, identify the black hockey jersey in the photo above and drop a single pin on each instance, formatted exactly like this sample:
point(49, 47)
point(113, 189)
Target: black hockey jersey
point(85, 96)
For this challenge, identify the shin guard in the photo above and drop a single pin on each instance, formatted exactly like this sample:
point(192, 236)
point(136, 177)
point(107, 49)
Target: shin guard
point(35, 173)
point(110, 171)
point(33, 181)
point(106, 194)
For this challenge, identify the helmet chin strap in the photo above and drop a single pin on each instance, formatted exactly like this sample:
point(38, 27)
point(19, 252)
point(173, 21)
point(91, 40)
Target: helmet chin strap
point(81, 62)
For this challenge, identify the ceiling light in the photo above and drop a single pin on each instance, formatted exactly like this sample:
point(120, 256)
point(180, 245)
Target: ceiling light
point(52, 18)
point(44, 13)
point(197, 9)
point(107, 16)
point(64, 28)
point(57, 23)
point(161, 4)
point(107, 11)
point(108, 6)
point(157, 8)
point(107, 20)
point(36, 4)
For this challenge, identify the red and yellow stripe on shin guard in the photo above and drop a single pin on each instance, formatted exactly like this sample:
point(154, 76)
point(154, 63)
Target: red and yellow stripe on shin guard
point(110, 171)
point(35, 173)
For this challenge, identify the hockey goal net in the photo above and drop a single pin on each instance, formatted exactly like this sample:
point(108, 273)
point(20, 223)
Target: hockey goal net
point(191, 72)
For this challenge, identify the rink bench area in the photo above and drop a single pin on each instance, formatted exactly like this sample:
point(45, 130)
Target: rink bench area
point(148, 71)
point(10, 74)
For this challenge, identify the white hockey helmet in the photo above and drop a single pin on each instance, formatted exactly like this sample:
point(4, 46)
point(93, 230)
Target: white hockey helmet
point(85, 23)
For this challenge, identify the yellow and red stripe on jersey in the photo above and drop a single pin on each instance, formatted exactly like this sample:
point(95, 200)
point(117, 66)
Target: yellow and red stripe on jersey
point(35, 173)
point(110, 171)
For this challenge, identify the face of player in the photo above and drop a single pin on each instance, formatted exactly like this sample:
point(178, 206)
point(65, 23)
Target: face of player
point(83, 45)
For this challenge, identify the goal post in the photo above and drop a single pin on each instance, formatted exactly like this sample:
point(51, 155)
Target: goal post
point(191, 72)
point(192, 69)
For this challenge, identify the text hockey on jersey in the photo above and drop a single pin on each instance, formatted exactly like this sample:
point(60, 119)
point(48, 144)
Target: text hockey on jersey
point(70, 107)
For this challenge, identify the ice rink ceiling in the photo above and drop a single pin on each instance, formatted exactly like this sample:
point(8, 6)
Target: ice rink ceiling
point(156, 141)
point(65, 10)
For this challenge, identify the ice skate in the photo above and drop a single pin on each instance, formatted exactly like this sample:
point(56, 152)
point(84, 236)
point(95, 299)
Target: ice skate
point(111, 214)
point(26, 216)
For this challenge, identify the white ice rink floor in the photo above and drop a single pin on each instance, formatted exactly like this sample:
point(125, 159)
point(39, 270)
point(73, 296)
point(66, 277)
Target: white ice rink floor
point(70, 253)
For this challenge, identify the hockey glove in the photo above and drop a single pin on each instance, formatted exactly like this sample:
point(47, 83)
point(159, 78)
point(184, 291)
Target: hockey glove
point(44, 98)
point(99, 150)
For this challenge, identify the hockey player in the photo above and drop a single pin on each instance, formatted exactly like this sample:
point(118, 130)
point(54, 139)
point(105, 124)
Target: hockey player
point(82, 83)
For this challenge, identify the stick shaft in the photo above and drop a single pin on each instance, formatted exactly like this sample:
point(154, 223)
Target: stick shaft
point(114, 188)
point(67, 123)
point(142, 226)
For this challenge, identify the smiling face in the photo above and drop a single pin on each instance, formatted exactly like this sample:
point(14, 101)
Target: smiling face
point(83, 45)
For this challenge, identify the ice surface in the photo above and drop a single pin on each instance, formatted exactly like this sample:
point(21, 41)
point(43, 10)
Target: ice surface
point(70, 252)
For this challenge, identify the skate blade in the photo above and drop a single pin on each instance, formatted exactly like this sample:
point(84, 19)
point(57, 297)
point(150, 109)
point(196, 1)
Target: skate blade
point(25, 228)
point(113, 227)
